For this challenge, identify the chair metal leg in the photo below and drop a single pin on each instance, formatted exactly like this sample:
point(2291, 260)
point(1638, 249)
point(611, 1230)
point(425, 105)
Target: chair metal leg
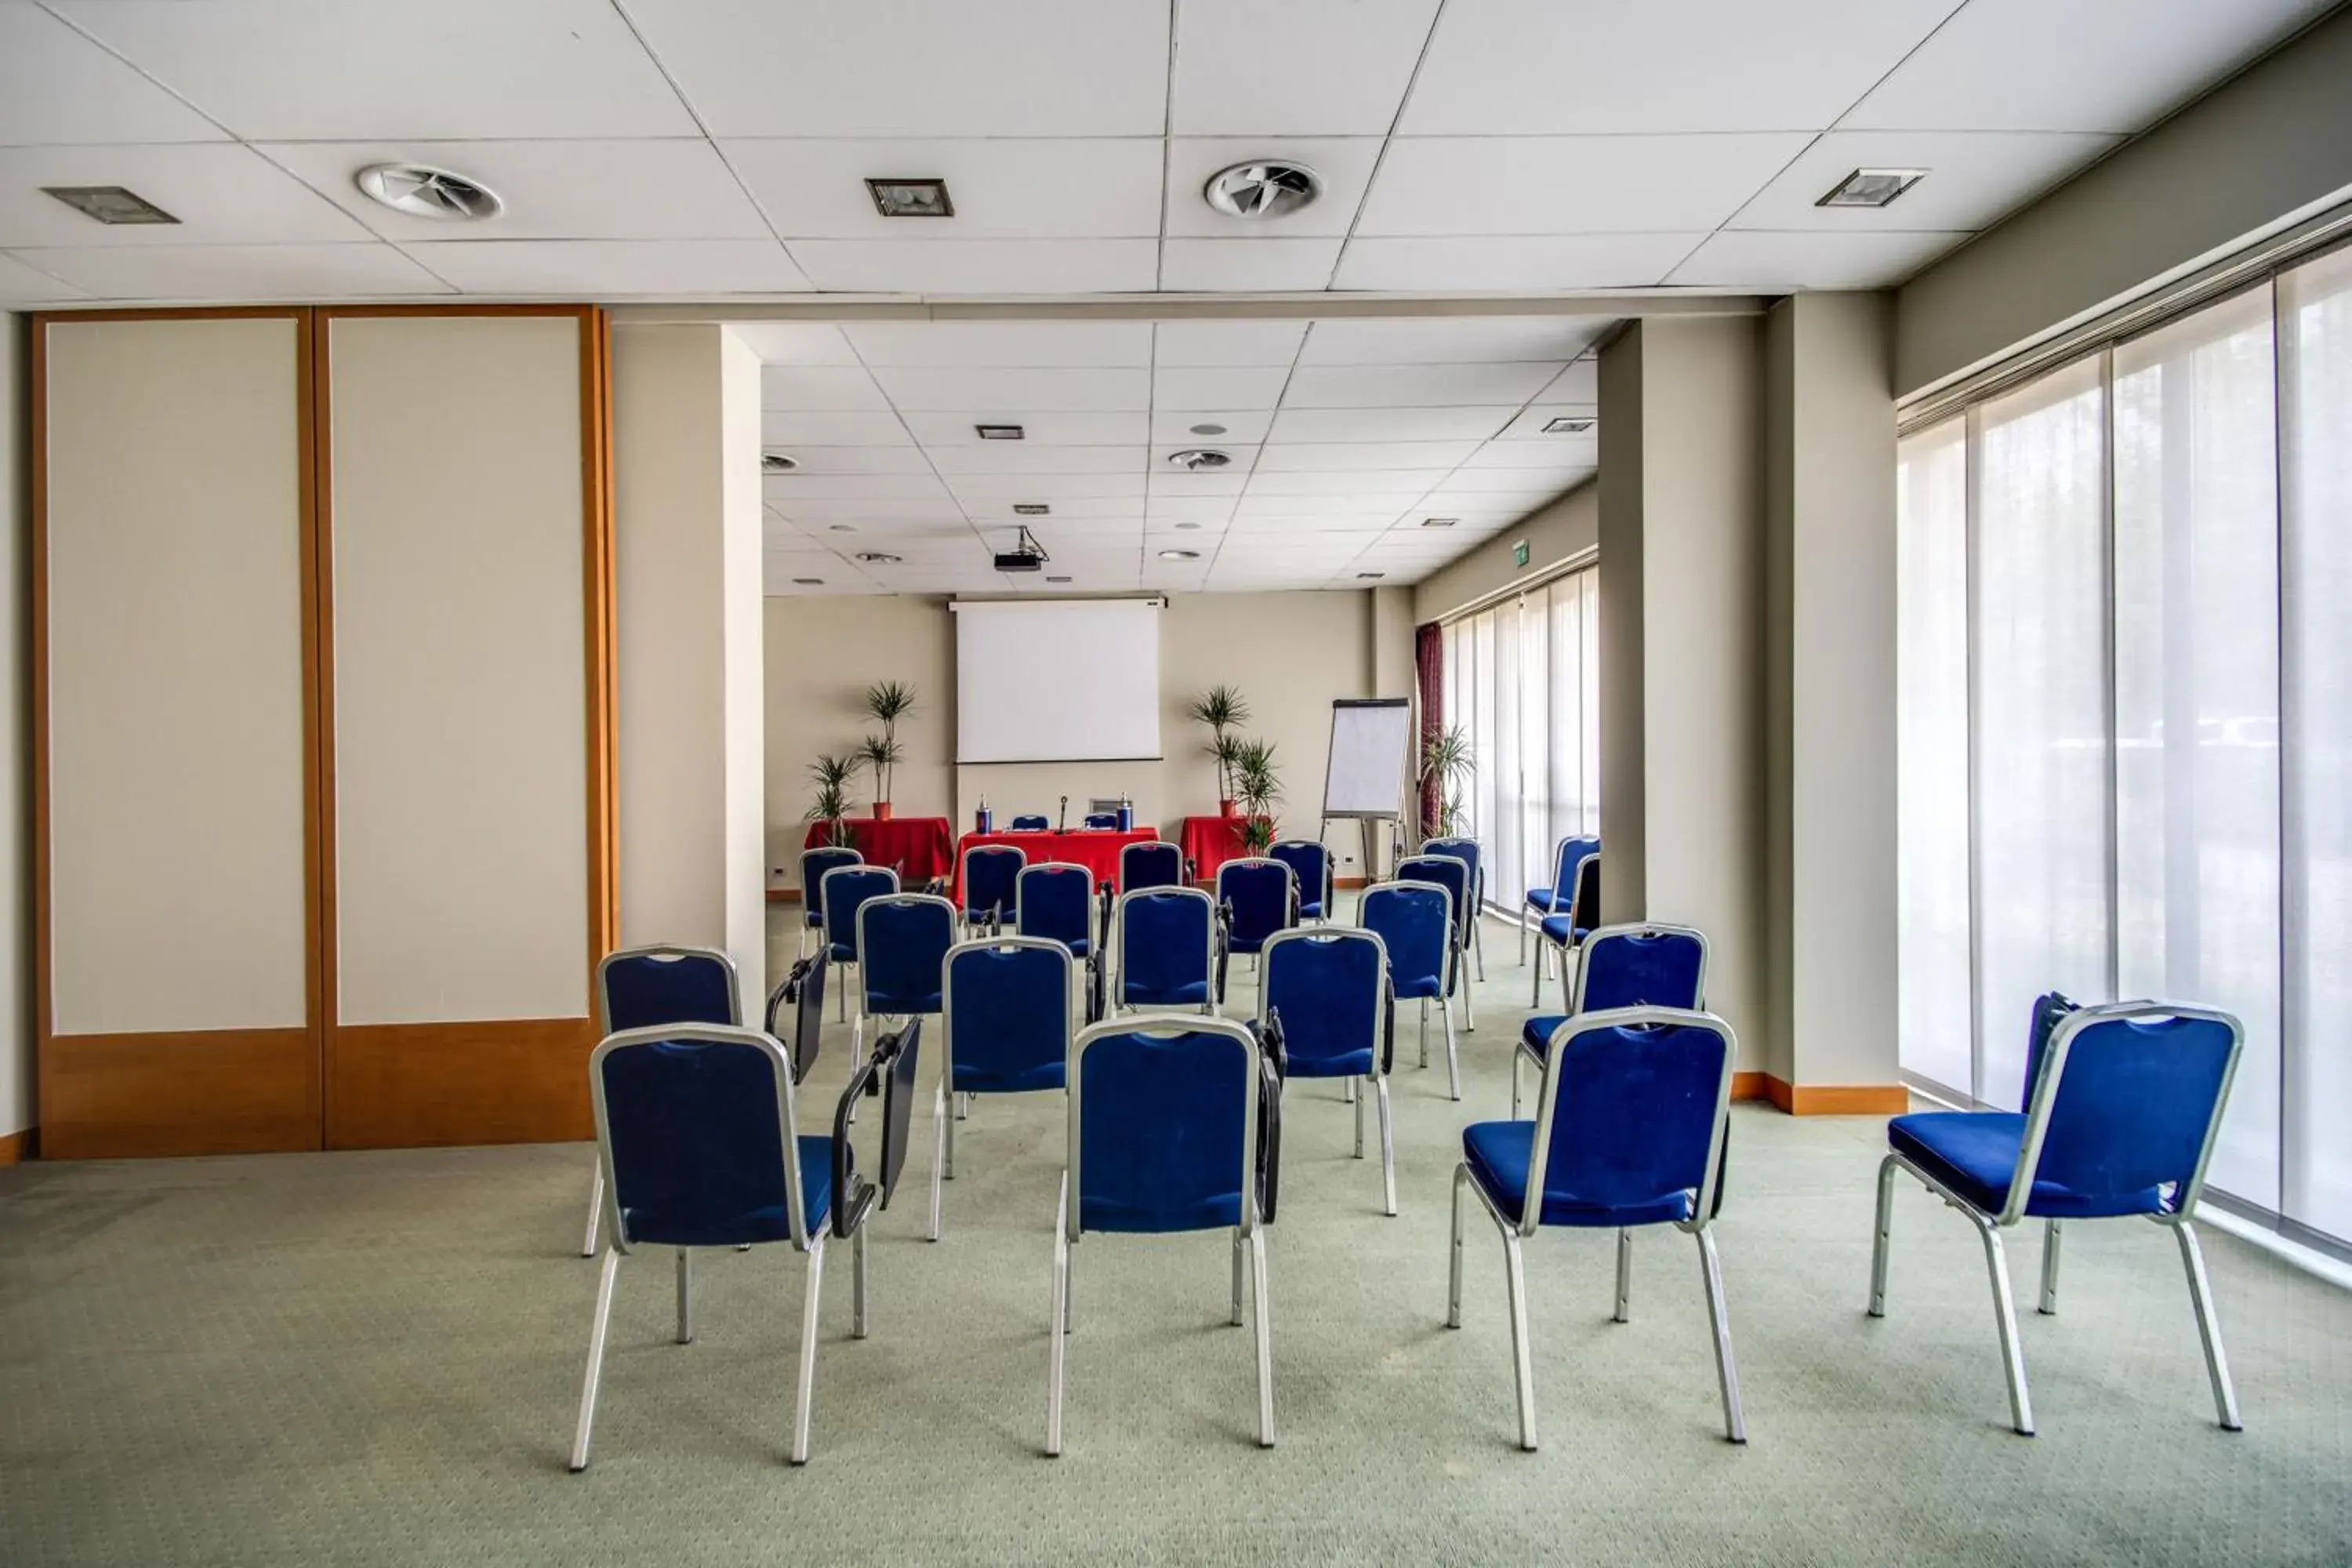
point(963, 1108)
point(1624, 1314)
point(1523, 936)
point(1055, 1321)
point(1358, 1101)
point(2200, 1293)
point(1735, 1425)
point(596, 1207)
point(1388, 1151)
point(2004, 1313)
point(1265, 1339)
point(807, 1380)
point(1479, 944)
point(595, 1359)
point(1424, 1031)
point(1878, 1247)
point(1516, 1057)
point(684, 1297)
point(1240, 1242)
point(1542, 971)
point(842, 980)
point(1347, 1087)
point(1469, 998)
point(858, 1281)
point(1515, 1282)
point(948, 1169)
point(1452, 1061)
point(1453, 1255)
point(940, 1122)
point(2050, 1233)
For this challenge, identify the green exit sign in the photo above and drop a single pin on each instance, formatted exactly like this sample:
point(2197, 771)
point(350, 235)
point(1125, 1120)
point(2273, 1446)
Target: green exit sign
point(1519, 553)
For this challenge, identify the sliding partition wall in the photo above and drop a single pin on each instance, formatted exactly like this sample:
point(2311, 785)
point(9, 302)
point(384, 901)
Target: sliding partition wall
point(2125, 684)
point(322, 719)
point(1523, 681)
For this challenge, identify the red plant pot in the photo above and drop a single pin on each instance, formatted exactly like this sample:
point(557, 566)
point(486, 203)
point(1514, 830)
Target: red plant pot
point(1229, 808)
point(881, 811)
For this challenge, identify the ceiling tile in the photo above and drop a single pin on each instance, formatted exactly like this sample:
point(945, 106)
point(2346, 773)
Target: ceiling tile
point(441, 69)
point(1123, 511)
point(1176, 425)
point(1780, 263)
point(1550, 453)
point(1415, 385)
point(1514, 483)
point(1345, 162)
point(21, 285)
point(991, 267)
point(1474, 493)
point(1007, 189)
point(1472, 423)
point(828, 389)
point(1219, 343)
point(1300, 67)
point(1023, 344)
point(1580, 383)
point(56, 85)
point(199, 274)
point(1381, 483)
point(604, 268)
point(1189, 508)
point(1975, 178)
point(911, 67)
point(2087, 65)
point(1266, 265)
point(222, 195)
point(828, 427)
point(1168, 483)
point(850, 460)
point(553, 190)
point(795, 343)
point(1540, 264)
point(953, 388)
point(1357, 522)
point(1183, 386)
point(1364, 456)
point(818, 514)
point(1100, 427)
point(786, 491)
point(1052, 488)
point(1450, 340)
point(1528, 427)
point(1569, 184)
point(1021, 458)
point(1505, 67)
point(1365, 508)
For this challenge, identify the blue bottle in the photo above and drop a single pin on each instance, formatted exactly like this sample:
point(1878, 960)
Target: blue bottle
point(984, 821)
point(1126, 815)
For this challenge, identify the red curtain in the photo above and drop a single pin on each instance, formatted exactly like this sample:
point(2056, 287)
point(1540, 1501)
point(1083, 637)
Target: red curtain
point(1429, 668)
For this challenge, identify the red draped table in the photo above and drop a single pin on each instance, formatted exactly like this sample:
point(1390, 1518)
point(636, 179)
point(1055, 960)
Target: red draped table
point(1208, 842)
point(920, 847)
point(1096, 848)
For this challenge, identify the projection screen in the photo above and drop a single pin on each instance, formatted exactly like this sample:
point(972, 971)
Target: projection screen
point(1060, 681)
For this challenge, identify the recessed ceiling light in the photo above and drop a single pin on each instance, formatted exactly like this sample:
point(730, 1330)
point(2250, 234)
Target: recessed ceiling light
point(1439, 522)
point(109, 204)
point(911, 198)
point(1262, 188)
point(1195, 459)
point(1057, 579)
point(1569, 425)
point(1207, 429)
point(842, 528)
point(1001, 432)
point(778, 463)
point(1180, 555)
point(810, 582)
point(1031, 509)
point(1368, 576)
point(420, 190)
point(1188, 527)
point(1870, 188)
point(879, 558)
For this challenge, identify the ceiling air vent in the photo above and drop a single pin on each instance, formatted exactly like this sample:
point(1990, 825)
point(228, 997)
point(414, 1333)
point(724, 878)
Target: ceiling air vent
point(428, 193)
point(772, 463)
point(1196, 459)
point(1264, 188)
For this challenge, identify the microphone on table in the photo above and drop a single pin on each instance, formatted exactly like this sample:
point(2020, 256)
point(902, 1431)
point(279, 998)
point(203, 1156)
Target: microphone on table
point(1063, 825)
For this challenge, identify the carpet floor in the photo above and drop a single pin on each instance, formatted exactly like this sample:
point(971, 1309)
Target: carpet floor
point(375, 1358)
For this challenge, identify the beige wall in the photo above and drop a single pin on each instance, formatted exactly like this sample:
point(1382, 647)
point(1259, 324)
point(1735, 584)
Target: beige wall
point(1291, 654)
point(17, 1110)
point(1568, 528)
point(2262, 151)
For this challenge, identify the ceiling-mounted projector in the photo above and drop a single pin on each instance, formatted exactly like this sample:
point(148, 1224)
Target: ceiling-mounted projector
point(1027, 555)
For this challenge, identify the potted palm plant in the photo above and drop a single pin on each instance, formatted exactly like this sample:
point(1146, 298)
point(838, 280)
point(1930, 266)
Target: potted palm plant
point(1447, 765)
point(834, 776)
point(1257, 787)
point(887, 702)
point(1224, 709)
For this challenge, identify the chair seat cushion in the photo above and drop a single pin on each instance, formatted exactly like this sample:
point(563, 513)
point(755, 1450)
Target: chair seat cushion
point(1558, 928)
point(1184, 993)
point(1220, 1212)
point(1540, 899)
point(1974, 1152)
point(1347, 1063)
point(1310, 909)
point(1009, 1081)
point(650, 1227)
point(1535, 1035)
point(1497, 1154)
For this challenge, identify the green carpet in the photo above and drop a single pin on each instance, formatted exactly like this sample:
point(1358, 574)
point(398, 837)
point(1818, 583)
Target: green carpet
point(375, 1358)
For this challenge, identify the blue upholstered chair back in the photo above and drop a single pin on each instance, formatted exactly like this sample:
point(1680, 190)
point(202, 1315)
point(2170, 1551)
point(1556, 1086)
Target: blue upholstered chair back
point(846, 888)
point(1414, 922)
point(1327, 986)
point(1449, 872)
point(696, 1123)
point(1008, 1021)
point(1631, 1107)
point(904, 940)
point(1565, 859)
point(2130, 1097)
point(1037, 822)
point(1257, 894)
point(1101, 819)
point(640, 986)
point(1641, 966)
point(1465, 850)
point(814, 864)
point(1056, 901)
point(1309, 860)
point(1158, 864)
point(1167, 941)
point(1163, 1125)
point(990, 873)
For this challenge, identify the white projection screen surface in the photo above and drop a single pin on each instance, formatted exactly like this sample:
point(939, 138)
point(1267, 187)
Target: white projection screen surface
point(1063, 680)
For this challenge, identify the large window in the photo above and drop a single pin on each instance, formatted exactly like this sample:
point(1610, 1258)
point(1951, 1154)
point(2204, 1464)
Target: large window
point(1522, 677)
point(2126, 683)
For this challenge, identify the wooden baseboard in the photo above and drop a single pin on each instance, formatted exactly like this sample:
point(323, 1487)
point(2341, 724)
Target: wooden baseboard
point(212, 1091)
point(18, 1146)
point(1748, 1085)
point(784, 895)
point(1837, 1100)
point(1344, 884)
point(511, 1080)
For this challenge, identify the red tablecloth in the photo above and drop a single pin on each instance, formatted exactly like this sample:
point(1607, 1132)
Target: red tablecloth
point(1096, 848)
point(920, 847)
point(1208, 842)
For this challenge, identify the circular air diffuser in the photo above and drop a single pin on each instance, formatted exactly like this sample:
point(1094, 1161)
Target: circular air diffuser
point(1264, 188)
point(1193, 460)
point(428, 193)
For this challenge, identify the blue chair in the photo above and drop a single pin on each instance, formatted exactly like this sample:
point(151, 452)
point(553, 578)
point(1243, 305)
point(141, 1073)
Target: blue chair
point(1309, 860)
point(1579, 916)
point(1256, 896)
point(1452, 874)
point(1006, 1030)
point(1037, 822)
point(1056, 901)
point(903, 938)
point(658, 983)
point(1165, 1136)
point(2123, 1104)
point(814, 864)
point(991, 872)
point(1646, 965)
point(1414, 922)
point(1165, 943)
point(697, 1135)
point(1158, 864)
point(1329, 992)
point(846, 888)
point(1101, 819)
point(1469, 853)
point(1629, 1127)
point(1559, 887)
